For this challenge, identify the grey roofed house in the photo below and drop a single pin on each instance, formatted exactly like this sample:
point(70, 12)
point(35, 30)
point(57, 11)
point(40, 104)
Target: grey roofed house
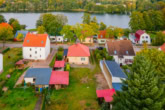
point(42, 75)
point(115, 69)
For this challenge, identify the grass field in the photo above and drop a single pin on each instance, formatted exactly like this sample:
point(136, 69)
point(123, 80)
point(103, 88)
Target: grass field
point(79, 95)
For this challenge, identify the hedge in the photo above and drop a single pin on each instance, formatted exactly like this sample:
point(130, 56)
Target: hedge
point(6, 50)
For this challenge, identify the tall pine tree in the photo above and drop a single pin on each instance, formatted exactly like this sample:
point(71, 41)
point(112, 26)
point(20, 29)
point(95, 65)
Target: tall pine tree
point(142, 90)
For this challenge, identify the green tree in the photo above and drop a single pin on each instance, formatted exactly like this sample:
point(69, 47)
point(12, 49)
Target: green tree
point(94, 20)
point(2, 19)
point(86, 18)
point(148, 21)
point(41, 29)
point(142, 89)
point(16, 26)
point(11, 20)
point(67, 31)
point(5, 33)
point(137, 21)
point(102, 26)
point(159, 39)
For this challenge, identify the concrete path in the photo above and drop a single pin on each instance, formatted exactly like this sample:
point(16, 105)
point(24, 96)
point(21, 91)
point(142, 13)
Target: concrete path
point(19, 81)
point(38, 104)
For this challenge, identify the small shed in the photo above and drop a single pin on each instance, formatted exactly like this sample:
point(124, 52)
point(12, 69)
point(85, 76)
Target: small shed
point(105, 95)
point(59, 79)
point(59, 65)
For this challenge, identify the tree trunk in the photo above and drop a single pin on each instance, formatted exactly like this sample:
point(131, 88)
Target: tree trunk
point(3, 43)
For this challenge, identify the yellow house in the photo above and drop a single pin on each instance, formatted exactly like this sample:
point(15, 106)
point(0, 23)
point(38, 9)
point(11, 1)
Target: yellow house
point(78, 54)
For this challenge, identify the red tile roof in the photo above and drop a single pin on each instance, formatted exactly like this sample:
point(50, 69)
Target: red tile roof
point(20, 62)
point(35, 40)
point(102, 34)
point(78, 50)
point(59, 64)
point(138, 34)
point(59, 77)
point(163, 47)
point(106, 94)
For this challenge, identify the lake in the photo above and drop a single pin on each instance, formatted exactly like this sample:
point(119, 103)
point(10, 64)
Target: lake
point(29, 19)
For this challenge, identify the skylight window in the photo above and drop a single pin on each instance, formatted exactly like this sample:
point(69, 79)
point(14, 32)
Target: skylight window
point(27, 41)
point(115, 52)
point(42, 42)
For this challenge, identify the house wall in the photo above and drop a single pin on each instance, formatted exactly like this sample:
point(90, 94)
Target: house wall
point(87, 41)
point(77, 60)
point(29, 80)
point(37, 53)
point(145, 37)
point(1, 62)
point(122, 60)
point(101, 41)
point(59, 38)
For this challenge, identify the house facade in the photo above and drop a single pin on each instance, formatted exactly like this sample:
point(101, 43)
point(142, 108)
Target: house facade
point(101, 39)
point(36, 46)
point(121, 50)
point(1, 63)
point(88, 40)
point(140, 37)
point(78, 54)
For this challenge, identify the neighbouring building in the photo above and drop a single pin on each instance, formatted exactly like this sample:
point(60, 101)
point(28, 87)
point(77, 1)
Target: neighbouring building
point(113, 74)
point(59, 65)
point(78, 54)
point(39, 77)
point(52, 39)
point(36, 46)
point(121, 50)
point(60, 39)
point(140, 37)
point(22, 32)
point(1, 63)
point(101, 39)
point(59, 79)
point(162, 48)
point(88, 40)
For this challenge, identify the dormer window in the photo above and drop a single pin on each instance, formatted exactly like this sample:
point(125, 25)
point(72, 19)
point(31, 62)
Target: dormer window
point(27, 41)
point(115, 52)
point(146, 37)
point(127, 52)
point(42, 42)
point(101, 36)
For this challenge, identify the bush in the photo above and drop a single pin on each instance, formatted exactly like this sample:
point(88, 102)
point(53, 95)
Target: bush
point(6, 50)
point(59, 56)
point(60, 49)
point(109, 57)
point(67, 68)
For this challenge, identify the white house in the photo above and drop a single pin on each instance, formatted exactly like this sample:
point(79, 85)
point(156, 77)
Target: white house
point(1, 63)
point(112, 73)
point(121, 50)
point(140, 37)
point(36, 46)
point(60, 39)
point(52, 39)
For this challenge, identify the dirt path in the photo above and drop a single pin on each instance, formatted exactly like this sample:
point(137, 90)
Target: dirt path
point(101, 82)
point(38, 104)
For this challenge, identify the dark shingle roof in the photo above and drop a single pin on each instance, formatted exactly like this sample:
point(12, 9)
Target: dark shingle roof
point(42, 75)
point(115, 69)
point(120, 48)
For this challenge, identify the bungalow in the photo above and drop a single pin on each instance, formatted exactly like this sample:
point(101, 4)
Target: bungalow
point(78, 54)
point(1, 63)
point(88, 40)
point(101, 39)
point(23, 33)
point(162, 48)
point(113, 74)
point(59, 79)
point(140, 37)
point(39, 77)
point(121, 50)
point(36, 46)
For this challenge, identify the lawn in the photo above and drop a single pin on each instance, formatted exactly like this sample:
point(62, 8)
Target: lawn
point(79, 95)
point(18, 99)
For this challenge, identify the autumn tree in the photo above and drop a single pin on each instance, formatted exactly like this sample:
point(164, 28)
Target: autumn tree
point(2, 19)
point(41, 30)
point(159, 39)
point(6, 32)
point(102, 26)
point(142, 89)
point(86, 18)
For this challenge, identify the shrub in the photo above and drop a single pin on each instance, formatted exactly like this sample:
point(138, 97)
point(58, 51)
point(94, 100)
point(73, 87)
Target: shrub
point(60, 49)
point(67, 68)
point(6, 50)
point(109, 57)
point(59, 56)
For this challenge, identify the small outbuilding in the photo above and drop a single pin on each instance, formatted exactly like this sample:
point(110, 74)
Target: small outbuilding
point(59, 79)
point(20, 64)
point(59, 65)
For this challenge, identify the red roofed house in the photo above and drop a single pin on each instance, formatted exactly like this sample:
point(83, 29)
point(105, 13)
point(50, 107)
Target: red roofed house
point(59, 79)
point(140, 37)
point(101, 39)
point(162, 48)
point(78, 54)
point(36, 46)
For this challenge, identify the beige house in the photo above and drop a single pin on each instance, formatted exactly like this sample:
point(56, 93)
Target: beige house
point(88, 40)
point(78, 54)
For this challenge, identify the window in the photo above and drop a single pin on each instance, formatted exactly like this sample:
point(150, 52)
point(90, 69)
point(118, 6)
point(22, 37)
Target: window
point(146, 37)
point(30, 49)
point(89, 40)
point(40, 49)
point(27, 41)
point(40, 56)
point(35, 52)
point(42, 42)
point(30, 55)
point(115, 52)
point(82, 59)
point(102, 41)
point(127, 52)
